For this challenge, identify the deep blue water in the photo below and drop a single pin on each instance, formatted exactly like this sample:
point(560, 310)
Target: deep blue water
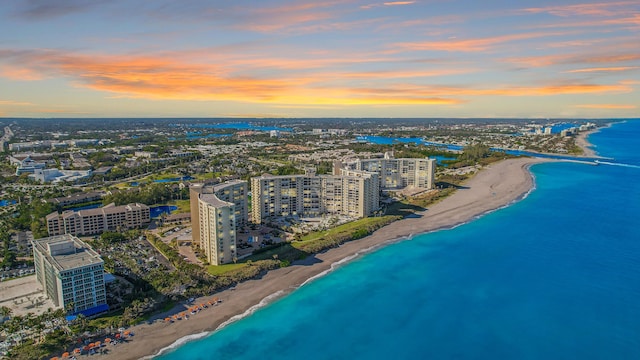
point(7, 202)
point(385, 140)
point(86, 207)
point(163, 209)
point(554, 276)
point(176, 179)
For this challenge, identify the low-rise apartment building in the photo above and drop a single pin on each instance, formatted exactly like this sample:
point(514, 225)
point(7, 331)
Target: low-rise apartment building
point(97, 221)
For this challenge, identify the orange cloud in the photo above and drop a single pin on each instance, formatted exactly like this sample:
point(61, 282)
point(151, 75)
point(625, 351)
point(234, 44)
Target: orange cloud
point(394, 3)
point(19, 73)
point(166, 78)
point(470, 45)
point(548, 60)
point(562, 89)
point(604, 69)
point(607, 106)
point(593, 9)
point(388, 3)
point(14, 103)
point(273, 19)
point(611, 58)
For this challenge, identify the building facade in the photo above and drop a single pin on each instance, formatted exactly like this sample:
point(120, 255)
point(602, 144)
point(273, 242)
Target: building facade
point(353, 193)
point(97, 221)
point(71, 274)
point(398, 173)
point(217, 212)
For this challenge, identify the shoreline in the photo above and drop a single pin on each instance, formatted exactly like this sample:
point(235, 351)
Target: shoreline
point(585, 145)
point(496, 186)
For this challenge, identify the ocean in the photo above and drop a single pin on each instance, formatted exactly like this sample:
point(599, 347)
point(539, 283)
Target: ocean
point(553, 276)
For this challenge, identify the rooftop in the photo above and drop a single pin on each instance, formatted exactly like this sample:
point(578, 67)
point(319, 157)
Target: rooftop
point(213, 200)
point(67, 252)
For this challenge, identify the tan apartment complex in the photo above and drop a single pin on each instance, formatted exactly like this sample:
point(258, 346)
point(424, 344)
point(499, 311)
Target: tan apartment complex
point(97, 221)
point(217, 212)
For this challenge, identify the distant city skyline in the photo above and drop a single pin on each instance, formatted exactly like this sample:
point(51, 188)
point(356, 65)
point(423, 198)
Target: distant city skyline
point(349, 58)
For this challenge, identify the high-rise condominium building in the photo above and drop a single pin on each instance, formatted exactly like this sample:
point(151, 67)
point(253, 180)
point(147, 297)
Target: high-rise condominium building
point(217, 212)
point(398, 173)
point(352, 193)
point(71, 273)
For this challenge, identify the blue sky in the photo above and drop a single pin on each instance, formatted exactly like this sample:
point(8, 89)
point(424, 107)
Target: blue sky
point(190, 58)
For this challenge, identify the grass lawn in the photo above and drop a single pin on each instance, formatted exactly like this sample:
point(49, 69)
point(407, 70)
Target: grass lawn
point(223, 269)
point(183, 206)
point(166, 176)
point(347, 228)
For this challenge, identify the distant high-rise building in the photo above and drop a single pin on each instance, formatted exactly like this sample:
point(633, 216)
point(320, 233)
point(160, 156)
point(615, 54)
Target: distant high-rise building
point(71, 273)
point(217, 212)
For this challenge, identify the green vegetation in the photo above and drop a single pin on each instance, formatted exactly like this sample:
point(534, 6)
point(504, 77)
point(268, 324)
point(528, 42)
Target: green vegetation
point(222, 269)
point(183, 206)
point(149, 194)
point(323, 240)
point(287, 170)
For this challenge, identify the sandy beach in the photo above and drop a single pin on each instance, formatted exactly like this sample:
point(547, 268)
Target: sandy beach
point(493, 187)
point(582, 142)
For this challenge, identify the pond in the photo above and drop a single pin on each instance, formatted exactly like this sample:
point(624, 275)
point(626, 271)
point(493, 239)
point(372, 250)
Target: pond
point(157, 211)
point(7, 202)
point(85, 207)
point(184, 178)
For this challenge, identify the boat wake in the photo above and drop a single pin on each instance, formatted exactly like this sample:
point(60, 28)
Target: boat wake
point(618, 164)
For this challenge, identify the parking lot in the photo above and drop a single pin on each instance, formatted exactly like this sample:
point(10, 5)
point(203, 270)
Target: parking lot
point(24, 295)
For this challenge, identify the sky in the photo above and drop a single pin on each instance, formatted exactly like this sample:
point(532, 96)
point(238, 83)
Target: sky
point(320, 58)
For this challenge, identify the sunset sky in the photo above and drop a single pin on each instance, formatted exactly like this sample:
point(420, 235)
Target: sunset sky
point(347, 58)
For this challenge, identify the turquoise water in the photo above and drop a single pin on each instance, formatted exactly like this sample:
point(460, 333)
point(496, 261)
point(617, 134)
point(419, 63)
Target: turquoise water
point(554, 276)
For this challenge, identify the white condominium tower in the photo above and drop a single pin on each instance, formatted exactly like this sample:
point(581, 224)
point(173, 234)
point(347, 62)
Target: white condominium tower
point(71, 273)
point(353, 193)
point(398, 173)
point(217, 212)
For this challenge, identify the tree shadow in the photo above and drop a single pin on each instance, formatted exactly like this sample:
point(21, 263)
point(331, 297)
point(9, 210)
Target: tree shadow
point(444, 184)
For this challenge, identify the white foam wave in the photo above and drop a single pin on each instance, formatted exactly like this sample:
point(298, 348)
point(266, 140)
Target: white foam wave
point(176, 344)
point(264, 302)
point(618, 164)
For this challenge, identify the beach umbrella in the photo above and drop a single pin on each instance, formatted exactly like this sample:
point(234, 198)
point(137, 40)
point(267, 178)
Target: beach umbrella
point(54, 358)
point(77, 351)
point(65, 354)
point(96, 344)
point(167, 319)
point(107, 340)
point(117, 336)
